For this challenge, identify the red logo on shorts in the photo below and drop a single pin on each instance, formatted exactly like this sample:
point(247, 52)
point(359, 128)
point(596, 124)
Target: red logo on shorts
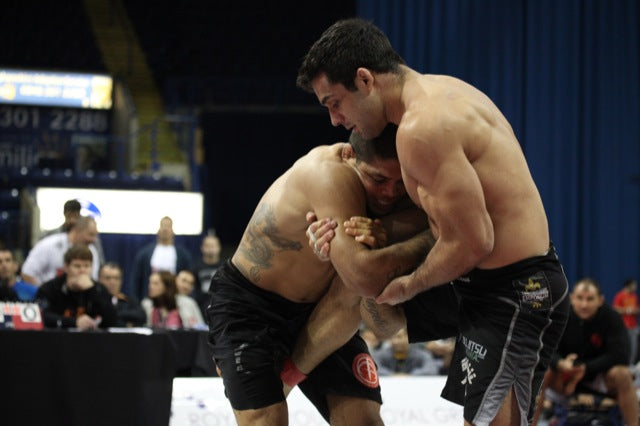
point(365, 370)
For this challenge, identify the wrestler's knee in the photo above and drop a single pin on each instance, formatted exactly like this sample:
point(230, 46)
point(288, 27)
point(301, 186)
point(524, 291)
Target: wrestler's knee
point(348, 411)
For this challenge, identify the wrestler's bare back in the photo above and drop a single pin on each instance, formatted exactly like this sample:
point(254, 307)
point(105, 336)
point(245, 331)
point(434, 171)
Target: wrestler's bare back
point(456, 115)
point(273, 252)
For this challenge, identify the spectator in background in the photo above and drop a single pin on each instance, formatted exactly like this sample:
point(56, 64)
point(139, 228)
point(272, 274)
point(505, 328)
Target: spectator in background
point(161, 255)
point(205, 267)
point(625, 303)
point(593, 353)
point(8, 277)
point(401, 357)
point(443, 349)
point(45, 260)
point(128, 309)
point(71, 211)
point(166, 308)
point(185, 281)
point(73, 299)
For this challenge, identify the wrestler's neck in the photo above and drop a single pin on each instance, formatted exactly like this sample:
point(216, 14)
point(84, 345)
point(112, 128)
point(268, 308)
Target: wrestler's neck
point(392, 90)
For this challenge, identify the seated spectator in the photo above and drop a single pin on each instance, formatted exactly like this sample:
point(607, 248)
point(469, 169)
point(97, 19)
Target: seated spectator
point(45, 260)
point(442, 349)
point(73, 299)
point(24, 291)
point(128, 309)
point(160, 255)
point(401, 357)
point(185, 281)
point(7, 294)
point(71, 212)
point(165, 308)
point(593, 353)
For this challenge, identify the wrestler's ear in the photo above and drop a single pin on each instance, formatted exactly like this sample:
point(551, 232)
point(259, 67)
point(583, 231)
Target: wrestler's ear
point(364, 78)
point(348, 152)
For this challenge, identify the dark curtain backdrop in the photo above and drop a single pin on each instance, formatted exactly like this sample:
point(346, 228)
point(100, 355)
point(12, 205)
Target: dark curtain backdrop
point(566, 74)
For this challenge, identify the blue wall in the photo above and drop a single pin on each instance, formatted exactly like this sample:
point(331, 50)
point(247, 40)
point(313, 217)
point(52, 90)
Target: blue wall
point(566, 74)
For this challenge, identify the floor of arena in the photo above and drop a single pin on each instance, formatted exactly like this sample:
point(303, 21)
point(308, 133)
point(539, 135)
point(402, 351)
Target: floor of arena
point(407, 401)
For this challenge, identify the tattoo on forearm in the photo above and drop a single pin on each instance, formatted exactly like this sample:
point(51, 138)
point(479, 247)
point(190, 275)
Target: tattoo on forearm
point(372, 308)
point(261, 241)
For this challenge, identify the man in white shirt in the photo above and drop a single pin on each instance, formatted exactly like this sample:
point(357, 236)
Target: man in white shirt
point(160, 255)
point(45, 260)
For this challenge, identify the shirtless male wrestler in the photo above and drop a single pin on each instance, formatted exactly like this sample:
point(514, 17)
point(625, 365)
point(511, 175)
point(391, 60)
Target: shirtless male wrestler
point(462, 163)
point(262, 297)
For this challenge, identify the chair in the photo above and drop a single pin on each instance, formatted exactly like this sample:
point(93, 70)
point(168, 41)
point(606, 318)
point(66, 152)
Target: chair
point(584, 408)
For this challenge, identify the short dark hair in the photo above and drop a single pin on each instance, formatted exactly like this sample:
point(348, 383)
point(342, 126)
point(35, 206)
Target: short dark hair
point(71, 206)
point(11, 253)
point(343, 48)
point(78, 252)
point(382, 146)
point(112, 265)
point(628, 282)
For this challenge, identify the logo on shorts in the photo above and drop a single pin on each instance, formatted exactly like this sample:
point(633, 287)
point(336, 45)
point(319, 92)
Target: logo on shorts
point(469, 372)
point(474, 351)
point(365, 370)
point(534, 293)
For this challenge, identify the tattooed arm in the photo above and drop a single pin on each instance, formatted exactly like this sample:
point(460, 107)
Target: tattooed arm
point(364, 271)
point(384, 320)
point(260, 243)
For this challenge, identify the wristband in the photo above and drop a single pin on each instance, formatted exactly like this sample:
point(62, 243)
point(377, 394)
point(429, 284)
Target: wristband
point(290, 373)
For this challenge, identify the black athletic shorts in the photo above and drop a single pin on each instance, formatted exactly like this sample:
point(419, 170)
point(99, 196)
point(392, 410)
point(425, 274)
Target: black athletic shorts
point(252, 331)
point(511, 320)
point(432, 314)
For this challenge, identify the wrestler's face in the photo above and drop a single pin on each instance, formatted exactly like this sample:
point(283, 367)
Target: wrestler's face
point(359, 111)
point(586, 300)
point(382, 181)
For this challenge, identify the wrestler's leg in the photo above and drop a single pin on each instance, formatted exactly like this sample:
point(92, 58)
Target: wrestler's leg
point(353, 411)
point(273, 415)
point(509, 412)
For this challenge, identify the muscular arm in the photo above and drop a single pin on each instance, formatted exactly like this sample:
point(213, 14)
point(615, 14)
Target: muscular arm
point(384, 320)
point(337, 316)
point(450, 190)
point(364, 271)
